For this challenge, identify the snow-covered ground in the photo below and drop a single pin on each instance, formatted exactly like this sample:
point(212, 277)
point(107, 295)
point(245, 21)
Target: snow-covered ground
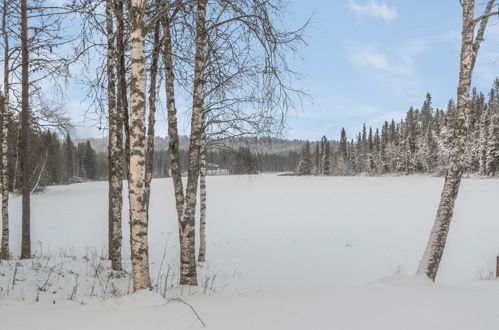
point(283, 253)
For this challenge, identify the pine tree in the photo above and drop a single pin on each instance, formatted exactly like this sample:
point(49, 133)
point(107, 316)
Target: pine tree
point(484, 134)
point(68, 151)
point(317, 159)
point(304, 167)
point(325, 161)
point(343, 143)
point(343, 153)
point(90, 161)
point(492, 151)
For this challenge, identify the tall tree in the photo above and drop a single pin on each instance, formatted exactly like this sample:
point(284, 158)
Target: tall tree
point(304, 167)
point(153, 72)
point(24, 143)
point(4, 250)
point(136, 176)
point(470, 45)
point(202, 202)
point(115, 175)
point(187, 224)
point(325, 161)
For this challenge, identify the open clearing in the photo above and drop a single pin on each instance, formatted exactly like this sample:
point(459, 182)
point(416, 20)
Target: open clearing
point(283, 253)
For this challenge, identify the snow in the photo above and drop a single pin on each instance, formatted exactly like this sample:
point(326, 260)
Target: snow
point(283, 253)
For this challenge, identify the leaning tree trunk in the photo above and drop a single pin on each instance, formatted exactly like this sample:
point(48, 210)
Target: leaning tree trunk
point(114, 151)
point(152, 108)
point(469, 48)
point(173, 139)
point(24, 144)
point(202, 202)
point(4, 250)
point(187, 224)
point(136, 176)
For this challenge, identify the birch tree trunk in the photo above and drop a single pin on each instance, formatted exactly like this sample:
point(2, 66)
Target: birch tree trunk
point(469, 48)
point(202, 202)
point(152, 108)
point(4, 251)
point(24, 143)
point(122, 100)
point(173, 139)
point(136, 176)
point(187, 224)
point(114, 151)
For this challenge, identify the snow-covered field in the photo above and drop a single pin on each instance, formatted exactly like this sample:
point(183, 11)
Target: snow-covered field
point(283, 253)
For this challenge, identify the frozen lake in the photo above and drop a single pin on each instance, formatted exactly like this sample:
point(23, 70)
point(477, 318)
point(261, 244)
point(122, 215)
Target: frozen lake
point(298, 252)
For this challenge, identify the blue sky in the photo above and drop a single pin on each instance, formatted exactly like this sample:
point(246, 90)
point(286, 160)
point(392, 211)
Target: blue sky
point(369, 61)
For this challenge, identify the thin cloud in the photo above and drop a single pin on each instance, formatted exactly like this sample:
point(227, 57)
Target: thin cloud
point(373, 59)
point(374, 9)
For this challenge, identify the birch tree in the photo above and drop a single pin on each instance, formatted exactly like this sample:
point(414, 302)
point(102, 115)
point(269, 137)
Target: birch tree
point(188, 274)
point(114, 149)
point(153, 72)
point(136, 177)
point(470, 44)
point(202, 202)
point(37, 68)
point(4, 250)
point(122, 101)
point(231, 76)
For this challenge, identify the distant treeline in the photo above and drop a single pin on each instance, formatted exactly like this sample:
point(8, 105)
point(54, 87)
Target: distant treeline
point(417, 144)
point(57, 160)
point(53, 160)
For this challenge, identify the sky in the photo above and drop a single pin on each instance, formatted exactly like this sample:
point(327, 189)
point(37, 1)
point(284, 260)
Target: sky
point(366, 61)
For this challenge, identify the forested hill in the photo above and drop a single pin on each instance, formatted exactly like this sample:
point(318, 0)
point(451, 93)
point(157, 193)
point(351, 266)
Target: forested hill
point(416, 144)
point(420, 143)
point(257, 145)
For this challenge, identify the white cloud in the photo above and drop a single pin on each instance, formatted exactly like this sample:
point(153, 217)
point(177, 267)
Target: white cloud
point(374, 9)
point(374, 59)
point(424, 43)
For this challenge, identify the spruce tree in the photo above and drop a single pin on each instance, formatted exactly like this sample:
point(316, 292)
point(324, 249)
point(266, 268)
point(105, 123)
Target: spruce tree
point(90, 161)
point(325, 161)
point(68, 150)
point(304, 167)
point(317, 159)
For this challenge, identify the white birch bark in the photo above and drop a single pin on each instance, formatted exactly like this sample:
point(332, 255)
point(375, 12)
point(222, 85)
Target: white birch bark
point(202, 203)
point(137, 166)
point(469, 48)
point(114, 150)
point(4, 250)
point(122, 99)
point(173, 139)
point(188, 273)
point(152, 107)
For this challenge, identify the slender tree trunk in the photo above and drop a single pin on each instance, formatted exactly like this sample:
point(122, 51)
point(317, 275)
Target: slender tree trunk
point(40, 173)
point(18, 146)
point(202, 203)
point(187, 225)
point(469, 48)
point(114, 151)
point(137, 168)
point(122, 103)
point(4, 252)
point(25, 164)
point(173, 139)
point(152, 109)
